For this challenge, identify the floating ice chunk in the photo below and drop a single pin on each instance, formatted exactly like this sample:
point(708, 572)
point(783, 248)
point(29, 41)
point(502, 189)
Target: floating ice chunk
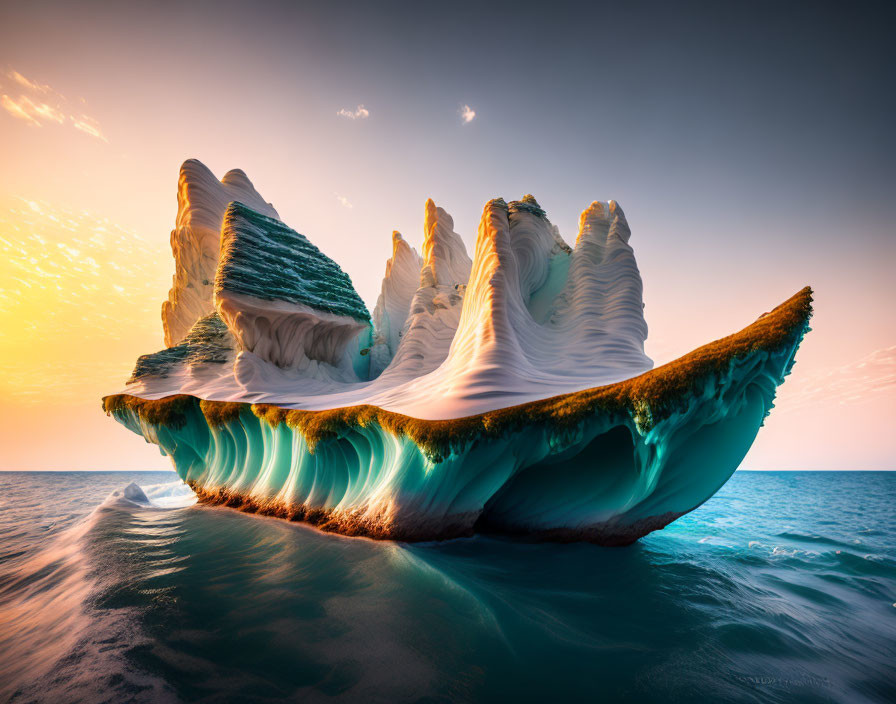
point(508, 392)
point(133, 492)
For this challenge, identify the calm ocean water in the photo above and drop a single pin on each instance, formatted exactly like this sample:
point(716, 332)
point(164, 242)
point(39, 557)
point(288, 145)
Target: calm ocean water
point(782, 588)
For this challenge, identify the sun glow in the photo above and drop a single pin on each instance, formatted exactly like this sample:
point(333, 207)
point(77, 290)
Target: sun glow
point(73, 286)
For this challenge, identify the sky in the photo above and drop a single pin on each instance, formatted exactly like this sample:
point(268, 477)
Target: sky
point(751, 146)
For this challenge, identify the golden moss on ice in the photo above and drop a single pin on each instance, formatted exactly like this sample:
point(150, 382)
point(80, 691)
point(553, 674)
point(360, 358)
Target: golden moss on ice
point(170, 411)
point(218, 413)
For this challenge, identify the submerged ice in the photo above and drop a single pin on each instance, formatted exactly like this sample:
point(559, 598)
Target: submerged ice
point(508, 391)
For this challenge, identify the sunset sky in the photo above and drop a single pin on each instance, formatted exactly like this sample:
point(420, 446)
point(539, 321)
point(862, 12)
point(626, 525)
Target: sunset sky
point(748, 164)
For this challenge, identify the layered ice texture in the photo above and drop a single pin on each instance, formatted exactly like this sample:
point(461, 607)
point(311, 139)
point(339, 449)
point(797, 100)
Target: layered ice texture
point(505, 392)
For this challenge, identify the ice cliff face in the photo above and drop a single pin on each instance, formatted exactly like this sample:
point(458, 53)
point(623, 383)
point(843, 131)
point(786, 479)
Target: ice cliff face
point(505, 392)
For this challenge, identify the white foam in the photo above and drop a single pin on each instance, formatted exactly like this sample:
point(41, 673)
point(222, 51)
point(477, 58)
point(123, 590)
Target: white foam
point(170, 495)
point(165, 496)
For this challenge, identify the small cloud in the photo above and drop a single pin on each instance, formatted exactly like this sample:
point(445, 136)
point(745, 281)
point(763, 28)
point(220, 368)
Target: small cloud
point(361, 113)
point(38, 104)
point(343, 201)
point(467, 114)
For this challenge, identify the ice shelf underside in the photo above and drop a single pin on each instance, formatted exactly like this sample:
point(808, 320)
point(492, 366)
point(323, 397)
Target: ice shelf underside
point(608, 464)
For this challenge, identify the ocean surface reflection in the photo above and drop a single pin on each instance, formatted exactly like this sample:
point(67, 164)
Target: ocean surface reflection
point(781, 588)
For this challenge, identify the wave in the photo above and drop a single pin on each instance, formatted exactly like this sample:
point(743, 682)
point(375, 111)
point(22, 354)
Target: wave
point(134, 602)
point(48, 599)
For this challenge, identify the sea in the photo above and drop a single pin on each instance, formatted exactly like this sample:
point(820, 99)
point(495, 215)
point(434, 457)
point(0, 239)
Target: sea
point(781, 588)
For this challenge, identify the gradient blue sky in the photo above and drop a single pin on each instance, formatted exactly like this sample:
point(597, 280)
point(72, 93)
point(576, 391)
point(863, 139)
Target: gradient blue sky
point(751, 146)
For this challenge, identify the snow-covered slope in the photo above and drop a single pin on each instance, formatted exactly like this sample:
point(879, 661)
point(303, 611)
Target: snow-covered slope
point(527, 318)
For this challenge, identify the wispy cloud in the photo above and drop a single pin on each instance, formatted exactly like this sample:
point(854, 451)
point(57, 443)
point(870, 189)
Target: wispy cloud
point(343, 201)
point(866, 378)
point(30, 85)
point(360, 113)
point(19, 109)
point(38, 104)
point(89, 126)
point(48, 112)
point(467, 114)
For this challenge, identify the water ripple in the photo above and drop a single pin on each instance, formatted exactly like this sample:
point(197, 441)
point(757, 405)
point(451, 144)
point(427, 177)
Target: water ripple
point(763, 594)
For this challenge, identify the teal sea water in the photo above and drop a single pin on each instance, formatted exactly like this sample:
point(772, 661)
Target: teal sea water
point(782, 588)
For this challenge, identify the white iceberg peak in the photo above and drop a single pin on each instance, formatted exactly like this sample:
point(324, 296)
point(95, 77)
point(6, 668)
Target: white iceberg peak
point(196, 241)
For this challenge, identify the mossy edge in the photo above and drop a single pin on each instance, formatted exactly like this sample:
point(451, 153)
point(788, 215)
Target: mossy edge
point(648, 398)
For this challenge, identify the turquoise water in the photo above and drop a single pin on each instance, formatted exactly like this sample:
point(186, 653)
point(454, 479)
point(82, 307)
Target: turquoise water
point(782, 588)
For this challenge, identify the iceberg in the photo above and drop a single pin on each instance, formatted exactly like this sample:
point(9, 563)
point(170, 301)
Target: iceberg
point(506, 392)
